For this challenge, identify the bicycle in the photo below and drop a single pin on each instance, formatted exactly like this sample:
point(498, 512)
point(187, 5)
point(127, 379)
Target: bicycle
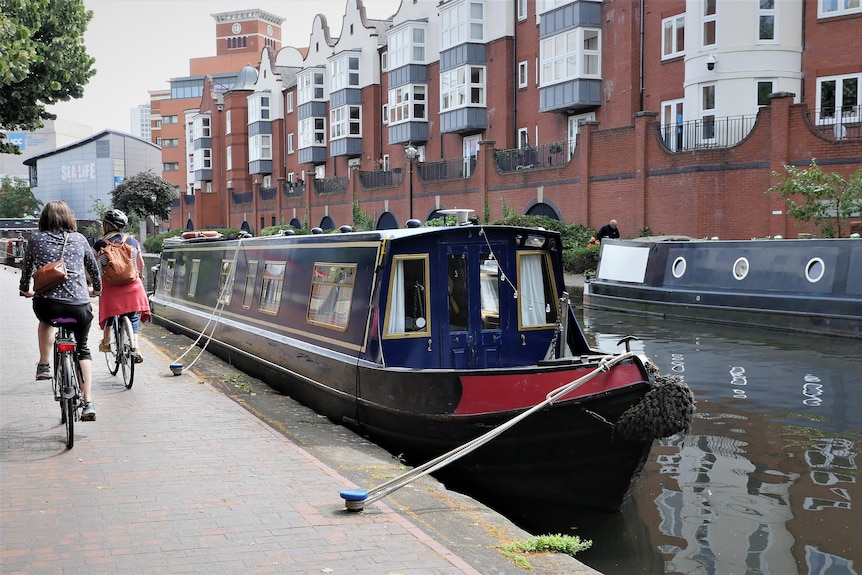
point(120, 355)
point(67, 377)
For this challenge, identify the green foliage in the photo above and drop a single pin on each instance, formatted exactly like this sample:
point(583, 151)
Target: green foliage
point(645, 232)
point(276, 230)
point(135, 196)
point(362, 221)
point(580, 260)
point(577, 258)
point(154, 244)
point(43, 60)
point(825, 200)
point(17, 200)
point(568, 544)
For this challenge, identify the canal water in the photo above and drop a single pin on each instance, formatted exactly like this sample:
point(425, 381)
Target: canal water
point(768, 480)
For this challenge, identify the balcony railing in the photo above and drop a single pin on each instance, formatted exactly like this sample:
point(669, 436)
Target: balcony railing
point(242, 197)
point(293, 189)
point(381, 178)
point(189, 199)
point(267, 193)
point(334, 185)
point(843, 124)
point(532, 157)
point(455, 169)
point(707, 132)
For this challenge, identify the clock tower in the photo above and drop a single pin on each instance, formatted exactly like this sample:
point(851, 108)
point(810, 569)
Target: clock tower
point(247, 31)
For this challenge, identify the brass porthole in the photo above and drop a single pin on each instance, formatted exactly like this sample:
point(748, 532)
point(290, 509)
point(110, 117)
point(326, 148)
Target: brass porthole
point(814, 270)
point(678, 267)
point(740, 268)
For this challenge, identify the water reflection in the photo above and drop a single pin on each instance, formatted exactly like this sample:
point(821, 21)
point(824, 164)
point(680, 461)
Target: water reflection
point(767, 480)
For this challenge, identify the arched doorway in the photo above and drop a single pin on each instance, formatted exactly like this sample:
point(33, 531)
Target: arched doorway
point(296, 224)
point(327, 224)
point(245, 227)
point(543, 210)
point(387, 221)
point(190, 225)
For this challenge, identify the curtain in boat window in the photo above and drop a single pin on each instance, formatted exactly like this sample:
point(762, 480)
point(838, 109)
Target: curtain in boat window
point(531, 290)
point(396, 300)
point(408, 297)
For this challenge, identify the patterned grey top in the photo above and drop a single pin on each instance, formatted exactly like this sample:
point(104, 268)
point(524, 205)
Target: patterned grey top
point(46, 247)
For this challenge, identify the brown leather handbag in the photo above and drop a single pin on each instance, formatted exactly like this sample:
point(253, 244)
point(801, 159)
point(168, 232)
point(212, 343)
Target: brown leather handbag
point(51, 275)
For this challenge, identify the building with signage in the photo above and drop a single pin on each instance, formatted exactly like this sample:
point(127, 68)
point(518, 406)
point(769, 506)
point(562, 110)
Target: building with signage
point(88, 170)
point(54, 134)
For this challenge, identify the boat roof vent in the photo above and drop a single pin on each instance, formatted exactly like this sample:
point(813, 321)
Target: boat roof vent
point(317, 230)
point(345, 229)
point(414, 223)
point(462, 216)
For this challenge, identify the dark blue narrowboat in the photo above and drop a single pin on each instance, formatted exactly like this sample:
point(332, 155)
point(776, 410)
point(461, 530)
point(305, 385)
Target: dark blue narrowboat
point(423, 339)
point(805, 285)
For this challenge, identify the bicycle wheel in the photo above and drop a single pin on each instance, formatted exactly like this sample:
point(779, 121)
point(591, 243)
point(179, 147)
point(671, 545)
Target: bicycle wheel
point(67, 403)
point(112, 358)
point(126, 361)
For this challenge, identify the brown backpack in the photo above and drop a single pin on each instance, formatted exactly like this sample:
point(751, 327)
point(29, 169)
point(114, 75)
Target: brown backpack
point(120, 269)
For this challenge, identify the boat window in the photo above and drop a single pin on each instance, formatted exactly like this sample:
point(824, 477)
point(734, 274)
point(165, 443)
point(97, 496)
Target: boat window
point(225, 282)
point(457, 282)
point(270, 290)
point(740, 268)
point(331, 295)
point(678, 267)
point(169, 275)
point(536, 297)
point(490, 284)
point(193, 279)
point(406, 314)
point(250, 278)
point(814, 270)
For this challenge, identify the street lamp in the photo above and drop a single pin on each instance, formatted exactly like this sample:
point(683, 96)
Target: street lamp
point(153, 197)
point(411, 152)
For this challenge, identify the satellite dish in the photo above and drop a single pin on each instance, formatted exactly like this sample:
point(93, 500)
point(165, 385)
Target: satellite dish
point(840, 131)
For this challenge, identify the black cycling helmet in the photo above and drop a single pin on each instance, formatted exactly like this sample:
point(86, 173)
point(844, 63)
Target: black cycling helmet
point(116, 218)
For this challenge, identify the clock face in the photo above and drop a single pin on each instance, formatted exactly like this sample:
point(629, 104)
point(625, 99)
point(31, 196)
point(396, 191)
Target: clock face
point(237, 28)
point(269, 30)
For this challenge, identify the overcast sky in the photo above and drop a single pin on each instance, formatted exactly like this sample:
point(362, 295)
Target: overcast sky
point(139, 45)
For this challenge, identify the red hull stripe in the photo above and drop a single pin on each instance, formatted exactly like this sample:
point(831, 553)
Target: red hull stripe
point(491, 393)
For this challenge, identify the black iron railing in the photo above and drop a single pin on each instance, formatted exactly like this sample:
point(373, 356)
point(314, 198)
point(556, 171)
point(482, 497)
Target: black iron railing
point(532, 157)
point(267, 193)
point(381, 178)
point(334, 185)
point(707, 132)
point(443, 170)
point(843, 124)
point(242, 197)
point(293, 189)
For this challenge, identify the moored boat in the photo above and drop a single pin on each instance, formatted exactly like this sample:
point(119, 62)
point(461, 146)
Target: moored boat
point(806, 285)
point(425, 338)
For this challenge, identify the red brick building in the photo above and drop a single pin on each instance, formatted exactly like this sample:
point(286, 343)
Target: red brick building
point(667, 115)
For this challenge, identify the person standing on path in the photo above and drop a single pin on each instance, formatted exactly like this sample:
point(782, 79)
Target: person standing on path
point(609, 230)
point(58, 237)
point(128, 299)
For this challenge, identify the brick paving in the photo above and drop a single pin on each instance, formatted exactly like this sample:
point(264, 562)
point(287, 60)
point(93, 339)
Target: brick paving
point(176, 477)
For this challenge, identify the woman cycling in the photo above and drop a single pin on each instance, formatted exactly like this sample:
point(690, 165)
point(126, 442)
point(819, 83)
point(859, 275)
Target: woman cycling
point(58, 237)
point(128, 299)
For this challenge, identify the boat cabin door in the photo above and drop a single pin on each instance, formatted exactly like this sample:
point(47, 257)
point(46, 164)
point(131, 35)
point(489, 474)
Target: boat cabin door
point(472, 288)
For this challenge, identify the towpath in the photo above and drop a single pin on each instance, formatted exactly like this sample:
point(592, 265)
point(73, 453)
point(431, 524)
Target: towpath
point(212, 472)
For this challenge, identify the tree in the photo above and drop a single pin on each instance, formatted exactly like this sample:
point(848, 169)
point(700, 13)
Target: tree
point(135, 196)
point(17, 199)
point(827, 200)
point(43, 61)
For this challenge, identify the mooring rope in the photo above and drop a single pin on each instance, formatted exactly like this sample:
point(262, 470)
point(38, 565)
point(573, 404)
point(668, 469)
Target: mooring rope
point(216, 313)
point(355, 500)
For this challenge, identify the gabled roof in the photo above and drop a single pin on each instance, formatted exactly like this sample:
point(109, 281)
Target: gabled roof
point(85, 141)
